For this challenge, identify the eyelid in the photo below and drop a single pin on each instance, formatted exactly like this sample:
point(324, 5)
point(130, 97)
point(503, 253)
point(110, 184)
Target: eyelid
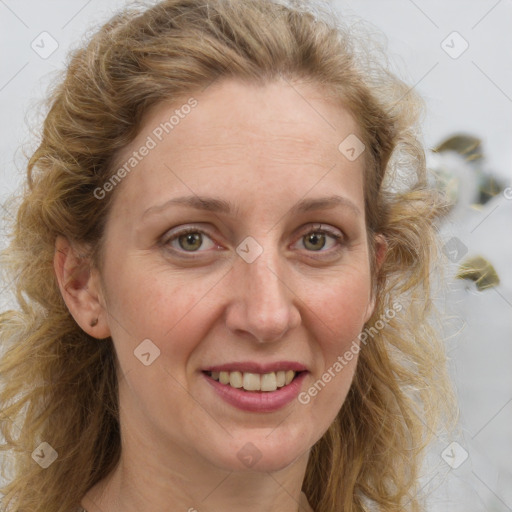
point(323, 228)
point(173, 233)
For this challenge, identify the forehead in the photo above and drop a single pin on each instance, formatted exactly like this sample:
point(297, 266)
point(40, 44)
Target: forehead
point(236, 132)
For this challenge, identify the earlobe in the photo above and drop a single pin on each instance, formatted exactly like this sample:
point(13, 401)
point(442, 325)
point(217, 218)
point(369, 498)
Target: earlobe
point(369, 309)
point(80, 288)
point(381, 249)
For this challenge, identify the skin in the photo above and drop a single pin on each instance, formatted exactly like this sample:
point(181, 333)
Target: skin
point(264, 149)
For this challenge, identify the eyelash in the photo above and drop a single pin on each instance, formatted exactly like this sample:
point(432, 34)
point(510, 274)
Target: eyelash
point(166, 240)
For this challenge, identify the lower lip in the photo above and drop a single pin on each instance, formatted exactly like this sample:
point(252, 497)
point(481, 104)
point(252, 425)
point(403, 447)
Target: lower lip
point(258, 401)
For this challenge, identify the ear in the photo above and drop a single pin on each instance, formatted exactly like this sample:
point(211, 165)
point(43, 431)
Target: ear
point(381, 248)
point(80, 288)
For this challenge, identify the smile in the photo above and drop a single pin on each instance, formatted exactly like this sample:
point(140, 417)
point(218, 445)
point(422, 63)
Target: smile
point(256, 392)
point(254, 381)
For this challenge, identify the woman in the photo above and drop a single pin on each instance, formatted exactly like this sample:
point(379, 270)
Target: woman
point(222, 262)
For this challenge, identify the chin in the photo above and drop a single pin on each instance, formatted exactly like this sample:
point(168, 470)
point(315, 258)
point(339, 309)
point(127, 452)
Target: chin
point(261, 454)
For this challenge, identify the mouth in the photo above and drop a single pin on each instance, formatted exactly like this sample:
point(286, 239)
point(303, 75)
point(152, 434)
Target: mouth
point(255, 386)
point(255, 382)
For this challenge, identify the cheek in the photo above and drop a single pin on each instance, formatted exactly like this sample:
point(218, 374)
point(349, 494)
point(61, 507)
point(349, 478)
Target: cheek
point(340, 306)
point(176, 309)
point(337, 312)
point(338, 316)
point(167, 308)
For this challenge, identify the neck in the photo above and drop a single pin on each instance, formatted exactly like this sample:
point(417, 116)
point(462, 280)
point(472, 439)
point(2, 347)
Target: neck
point(153, 479)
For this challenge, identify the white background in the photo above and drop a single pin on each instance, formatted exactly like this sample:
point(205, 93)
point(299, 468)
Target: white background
point(469, 94)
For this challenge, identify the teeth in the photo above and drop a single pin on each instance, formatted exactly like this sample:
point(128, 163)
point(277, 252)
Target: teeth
point(236, 380)
point(251, 382)
point(255, 381)
point(268, 382)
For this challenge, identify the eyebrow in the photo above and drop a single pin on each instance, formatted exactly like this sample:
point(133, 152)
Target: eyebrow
point(215, 205)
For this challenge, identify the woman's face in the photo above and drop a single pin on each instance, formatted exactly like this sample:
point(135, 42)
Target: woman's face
point(236, 249)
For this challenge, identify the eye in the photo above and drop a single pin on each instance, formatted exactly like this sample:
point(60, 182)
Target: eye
point(189, 240)
point(319, 239)
point(195, 240)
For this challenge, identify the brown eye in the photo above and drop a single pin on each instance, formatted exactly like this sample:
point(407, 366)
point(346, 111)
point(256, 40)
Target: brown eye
point(314, 241)
point(323, 241)
point(320, 239)
point(189, 240)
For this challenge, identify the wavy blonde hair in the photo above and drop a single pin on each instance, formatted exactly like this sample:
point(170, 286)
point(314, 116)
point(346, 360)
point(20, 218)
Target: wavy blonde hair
point(59, 385)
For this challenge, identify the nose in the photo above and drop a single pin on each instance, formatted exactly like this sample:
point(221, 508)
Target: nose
point(263, 305)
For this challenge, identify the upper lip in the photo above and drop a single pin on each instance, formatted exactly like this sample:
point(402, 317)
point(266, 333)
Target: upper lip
point(254, 367)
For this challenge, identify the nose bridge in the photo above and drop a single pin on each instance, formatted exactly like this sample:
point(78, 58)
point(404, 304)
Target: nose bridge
point(264, 305)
